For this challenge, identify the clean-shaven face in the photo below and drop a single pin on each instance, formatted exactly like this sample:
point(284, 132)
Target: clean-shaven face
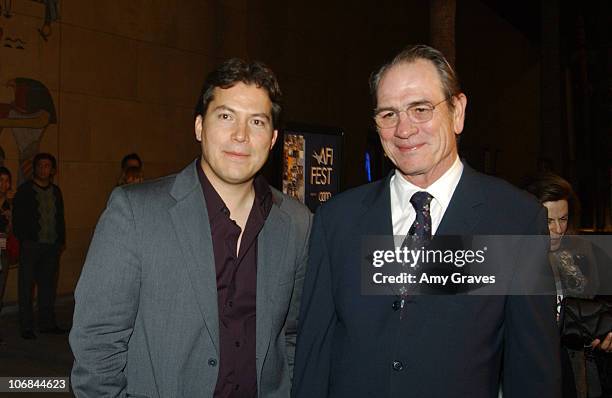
point(422, 152)
point(236, 134)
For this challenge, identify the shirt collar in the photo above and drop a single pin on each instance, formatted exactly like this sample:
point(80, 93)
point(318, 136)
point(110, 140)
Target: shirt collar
point(442, 189)
point(215, 204)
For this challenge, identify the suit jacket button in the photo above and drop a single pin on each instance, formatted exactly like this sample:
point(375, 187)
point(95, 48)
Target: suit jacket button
point(396, 305)
point(398, 366)
point(212, 362)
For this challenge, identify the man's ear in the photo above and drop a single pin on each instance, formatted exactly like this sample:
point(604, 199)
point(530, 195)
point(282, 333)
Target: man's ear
point(460, 103)
point(274, 137)
point(198, 127)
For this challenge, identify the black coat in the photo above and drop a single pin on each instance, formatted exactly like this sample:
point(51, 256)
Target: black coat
point(26, 225)
point(354, 345)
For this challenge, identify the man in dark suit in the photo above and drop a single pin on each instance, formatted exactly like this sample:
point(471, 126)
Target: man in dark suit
point(192, 283)
point(355, 345)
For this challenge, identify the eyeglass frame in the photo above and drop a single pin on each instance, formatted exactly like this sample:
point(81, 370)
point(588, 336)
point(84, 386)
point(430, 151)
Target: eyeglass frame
point(405, 110)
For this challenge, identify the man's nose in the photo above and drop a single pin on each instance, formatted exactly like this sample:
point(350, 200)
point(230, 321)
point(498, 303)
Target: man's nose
point(555, 227)
point(241, 133)
point(405, 126)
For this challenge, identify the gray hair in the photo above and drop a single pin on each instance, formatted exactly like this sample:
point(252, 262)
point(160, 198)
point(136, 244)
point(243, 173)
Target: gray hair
point(448, 77)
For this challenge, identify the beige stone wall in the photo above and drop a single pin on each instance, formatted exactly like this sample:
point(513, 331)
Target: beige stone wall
point(124, 77)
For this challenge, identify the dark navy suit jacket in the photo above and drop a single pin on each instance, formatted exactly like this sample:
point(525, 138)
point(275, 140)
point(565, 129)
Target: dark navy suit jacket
point(448, 346)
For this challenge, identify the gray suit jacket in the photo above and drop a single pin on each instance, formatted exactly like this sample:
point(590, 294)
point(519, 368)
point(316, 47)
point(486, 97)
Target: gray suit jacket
point(146, 319)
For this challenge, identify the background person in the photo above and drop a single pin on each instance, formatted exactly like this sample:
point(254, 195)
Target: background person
point(5, 228)
point(131, 175)
point(38, 223)
point(131, 160)
point(579, 274)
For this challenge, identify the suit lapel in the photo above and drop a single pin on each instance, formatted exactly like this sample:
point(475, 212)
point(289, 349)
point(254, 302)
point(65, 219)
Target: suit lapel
point(376, 219)
point(376, 223)
point(271, 253)
point(462, 214)
point(190, 221)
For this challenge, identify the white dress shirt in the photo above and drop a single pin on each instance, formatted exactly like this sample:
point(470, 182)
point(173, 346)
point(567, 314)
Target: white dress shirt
point(402, 211)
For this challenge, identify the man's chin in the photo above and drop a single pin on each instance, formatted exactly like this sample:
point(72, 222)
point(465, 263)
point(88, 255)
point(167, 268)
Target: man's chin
point(237, 179)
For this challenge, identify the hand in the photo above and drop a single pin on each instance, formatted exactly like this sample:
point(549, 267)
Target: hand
point(605, 345)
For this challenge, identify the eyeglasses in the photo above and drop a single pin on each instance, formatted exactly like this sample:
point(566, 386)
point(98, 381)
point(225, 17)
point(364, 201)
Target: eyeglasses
point(418, 113)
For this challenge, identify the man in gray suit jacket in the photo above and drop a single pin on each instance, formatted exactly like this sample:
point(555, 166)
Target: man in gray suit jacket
point(192, 282)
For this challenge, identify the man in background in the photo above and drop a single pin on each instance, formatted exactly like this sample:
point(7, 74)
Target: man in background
point(38, 223)
point(131, 160)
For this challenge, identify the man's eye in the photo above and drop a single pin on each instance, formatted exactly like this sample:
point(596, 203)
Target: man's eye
point(421, 109)
point(225, 116)
point(258, 122)
point(387, 115)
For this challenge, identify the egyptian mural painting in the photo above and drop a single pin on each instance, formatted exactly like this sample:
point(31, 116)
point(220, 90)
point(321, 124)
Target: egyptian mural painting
point(26, 104)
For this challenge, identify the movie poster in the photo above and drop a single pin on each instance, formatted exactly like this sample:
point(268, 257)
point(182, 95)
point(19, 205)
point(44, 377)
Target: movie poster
point(311, 165)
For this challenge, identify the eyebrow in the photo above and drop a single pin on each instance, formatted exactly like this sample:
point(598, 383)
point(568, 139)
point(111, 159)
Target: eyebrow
point(224, 108)
point(558, 218)
point(227, 108)
point(264, 115)
point(411, 104)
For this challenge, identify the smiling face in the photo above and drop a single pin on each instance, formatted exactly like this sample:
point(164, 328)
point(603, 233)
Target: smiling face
point(558, 214)
point(422, 152)
point(236, 134)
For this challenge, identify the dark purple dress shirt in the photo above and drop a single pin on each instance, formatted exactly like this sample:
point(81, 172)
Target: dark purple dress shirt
point(236, 287)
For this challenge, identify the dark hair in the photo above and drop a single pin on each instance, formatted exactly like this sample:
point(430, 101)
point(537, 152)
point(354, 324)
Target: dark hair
point(128, 157)
point(44, 156)
point(234, 71)
point(549, 187)
point(448, 77)
point(7, 172)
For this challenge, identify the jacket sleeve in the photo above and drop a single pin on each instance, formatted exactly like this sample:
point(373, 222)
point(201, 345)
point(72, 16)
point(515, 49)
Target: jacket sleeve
point(291, 325)
point(317, 320)
point(106, 303)
point(532, 366)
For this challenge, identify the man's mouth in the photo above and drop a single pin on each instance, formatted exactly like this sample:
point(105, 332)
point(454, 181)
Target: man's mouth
point(409, 148)
point(236, 155)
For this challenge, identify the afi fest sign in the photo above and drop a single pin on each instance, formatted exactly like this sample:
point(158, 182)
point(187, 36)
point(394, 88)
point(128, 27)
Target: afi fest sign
point(311, 164)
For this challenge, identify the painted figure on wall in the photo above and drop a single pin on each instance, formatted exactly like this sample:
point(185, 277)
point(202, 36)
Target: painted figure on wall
point(51, 15)
point(28, 116)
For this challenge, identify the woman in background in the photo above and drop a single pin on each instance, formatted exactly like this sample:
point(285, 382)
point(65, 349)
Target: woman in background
point(585, 372)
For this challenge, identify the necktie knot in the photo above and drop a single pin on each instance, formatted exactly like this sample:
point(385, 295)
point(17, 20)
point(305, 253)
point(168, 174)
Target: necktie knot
point(420, 201)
